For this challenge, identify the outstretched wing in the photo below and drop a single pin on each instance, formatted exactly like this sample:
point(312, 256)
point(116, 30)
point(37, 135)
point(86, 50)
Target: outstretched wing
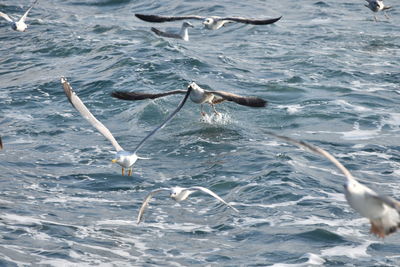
point(241, 100)
point(156, 18)
point(252, 21)
point(84, 111)
point(318, 151)
point(140, 96)
point(146, 202)
point(166, 121)
point(208, 191)
point(165, 34)
point(391, 202)
point(23, 18)
point(6, 17)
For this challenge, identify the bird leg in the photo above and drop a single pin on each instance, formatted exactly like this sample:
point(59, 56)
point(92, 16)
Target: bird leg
point(130, 172)
point(386, 15)
point(201, 110)
point(123, 171)
point(375, 18)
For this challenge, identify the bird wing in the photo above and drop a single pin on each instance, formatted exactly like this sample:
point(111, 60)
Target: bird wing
point(23, 18)
point(146, 202)
point(391, 202)
point(208, 191)
point(318, 151)
point(140, 96)
point(241, 100)
point(166, 34)
point(166, 121)
point(1, 144)
point(84, 111)
point(156, 18)
point(6, 17)
point(252, 21)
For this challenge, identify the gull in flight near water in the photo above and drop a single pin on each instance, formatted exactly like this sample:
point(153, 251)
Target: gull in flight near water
point(382, 211)
point(376, 6)
point(211, 23)
point(178, 194)
point(19, 25)
point(183, 34)
point(198, 95)
point(124, 158)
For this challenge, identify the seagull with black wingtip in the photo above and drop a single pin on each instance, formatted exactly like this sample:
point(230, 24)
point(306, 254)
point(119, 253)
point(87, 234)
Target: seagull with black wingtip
point(376, 6)
point(124, 158)
point(198, 96)
point(210, 23)
point(183, 34)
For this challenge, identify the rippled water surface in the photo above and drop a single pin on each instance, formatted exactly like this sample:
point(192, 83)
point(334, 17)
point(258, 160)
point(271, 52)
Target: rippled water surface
point(331, 76)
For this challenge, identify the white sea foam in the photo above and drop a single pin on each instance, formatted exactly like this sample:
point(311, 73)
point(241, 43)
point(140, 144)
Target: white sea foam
point(352, 251)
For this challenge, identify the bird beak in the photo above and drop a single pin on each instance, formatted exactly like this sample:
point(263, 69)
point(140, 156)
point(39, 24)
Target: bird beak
point(114, 161)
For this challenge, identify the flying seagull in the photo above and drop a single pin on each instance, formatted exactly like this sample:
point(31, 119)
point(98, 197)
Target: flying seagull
point(183, 34)
point(376, 6)
point(382, 211)
point(198, 96)
point(20, 24)
point(178, 194)
point(211, 23)
point(124, 158)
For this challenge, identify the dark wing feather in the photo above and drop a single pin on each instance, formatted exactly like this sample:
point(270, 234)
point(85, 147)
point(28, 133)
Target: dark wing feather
point(253, 21)
point(165, 34)
point(1, 144)
point(158, 19)
point(249, 101)
point(140, 96)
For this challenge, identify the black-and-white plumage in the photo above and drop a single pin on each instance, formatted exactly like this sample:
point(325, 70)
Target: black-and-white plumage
point(183, 34)
point(124, 158)
point(211, 23)
point(20, 24)
point(198, 96)
point(376, 6)
point(382, 211)
point(178, 194)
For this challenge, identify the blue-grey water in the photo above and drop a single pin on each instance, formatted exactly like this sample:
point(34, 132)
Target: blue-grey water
point(329, 71)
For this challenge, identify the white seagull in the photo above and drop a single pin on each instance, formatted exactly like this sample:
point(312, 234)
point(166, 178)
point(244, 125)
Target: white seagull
point(124, 158)
point(183, 34)
point(376, 6)
point(178, 194)
point(20, 24)
point(382, 211)
point(211, 23)
point(198, 96)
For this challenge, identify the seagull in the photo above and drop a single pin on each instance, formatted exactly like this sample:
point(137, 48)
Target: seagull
point(20, 24)
point(124, 158)
point(183, 34)
point(198, 96)
point(382, 211)
point(210, 23)
point(376, 6)
point(178, 194)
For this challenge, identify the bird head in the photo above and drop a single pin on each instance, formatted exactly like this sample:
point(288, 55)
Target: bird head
point(175, 191)
point(124, 159)
point(187, 24)
point(208, 22)
point(194, 86)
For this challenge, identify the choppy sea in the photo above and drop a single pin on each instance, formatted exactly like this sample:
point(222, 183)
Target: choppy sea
point(329, 71)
